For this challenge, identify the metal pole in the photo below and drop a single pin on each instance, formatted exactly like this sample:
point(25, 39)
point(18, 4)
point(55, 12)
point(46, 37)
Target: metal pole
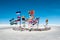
point(38, 24)
point(20, 23)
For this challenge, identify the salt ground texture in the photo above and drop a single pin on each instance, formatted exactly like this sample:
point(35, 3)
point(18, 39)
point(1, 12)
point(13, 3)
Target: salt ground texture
point(6, 33)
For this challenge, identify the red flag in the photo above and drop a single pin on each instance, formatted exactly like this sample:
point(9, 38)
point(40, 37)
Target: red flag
point(31, 12)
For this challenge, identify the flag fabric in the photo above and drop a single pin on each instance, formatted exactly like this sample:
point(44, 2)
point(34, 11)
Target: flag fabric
point(23, 18)
point(11, 19)
point(18, 12)
point(37, 19)
point(31, 12)
point(31, 21)
point(13, 22)
point(18, 17)
point(34, 22)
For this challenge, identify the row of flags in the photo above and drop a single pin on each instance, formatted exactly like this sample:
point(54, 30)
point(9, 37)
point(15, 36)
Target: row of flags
point(31, 13)
point(12, 21)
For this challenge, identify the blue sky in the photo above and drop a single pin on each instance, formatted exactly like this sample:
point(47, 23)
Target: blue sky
point(43, 8)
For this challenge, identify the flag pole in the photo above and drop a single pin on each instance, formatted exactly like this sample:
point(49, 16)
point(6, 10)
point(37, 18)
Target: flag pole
point(23, 21)
point(38, 24)
point(19, 14)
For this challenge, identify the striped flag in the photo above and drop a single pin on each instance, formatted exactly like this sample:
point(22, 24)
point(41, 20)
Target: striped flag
point(35, 21)
point(12, 21)
point(18, 12)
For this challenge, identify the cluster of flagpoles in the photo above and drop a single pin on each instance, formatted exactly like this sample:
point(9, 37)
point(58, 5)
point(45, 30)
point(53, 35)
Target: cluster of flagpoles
point(30, 20)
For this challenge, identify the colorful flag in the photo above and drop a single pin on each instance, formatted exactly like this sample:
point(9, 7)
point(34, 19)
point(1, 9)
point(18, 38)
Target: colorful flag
point(35, 21)
point(18, 17)
point(31, 21)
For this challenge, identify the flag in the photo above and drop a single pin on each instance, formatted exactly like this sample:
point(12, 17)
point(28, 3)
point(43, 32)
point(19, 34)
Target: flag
point(18, 17)
point(31, 21)
point(13, 22)
point(23, 18)
point(17, 20)
point(31, 12)
point(37, 18)
point(11, 19)
point(35, 21)
point(18, 12)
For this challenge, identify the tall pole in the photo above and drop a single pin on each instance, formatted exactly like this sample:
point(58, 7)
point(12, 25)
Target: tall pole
point(23, 21)
point(19, 18)
point(37, 22)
